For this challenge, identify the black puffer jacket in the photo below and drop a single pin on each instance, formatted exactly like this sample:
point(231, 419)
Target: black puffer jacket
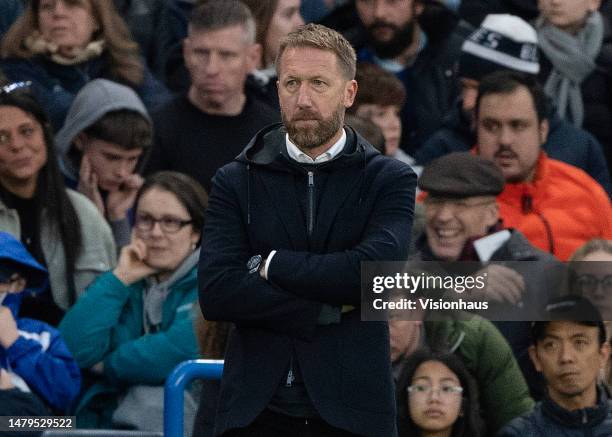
point(550, 420)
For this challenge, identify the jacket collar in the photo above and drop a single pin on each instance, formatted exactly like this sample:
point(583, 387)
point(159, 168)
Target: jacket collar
point(585, 417)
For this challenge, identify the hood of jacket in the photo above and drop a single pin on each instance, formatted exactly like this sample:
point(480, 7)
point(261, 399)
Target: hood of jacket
point(267, 149)
point(15, 258)
point(93, 101)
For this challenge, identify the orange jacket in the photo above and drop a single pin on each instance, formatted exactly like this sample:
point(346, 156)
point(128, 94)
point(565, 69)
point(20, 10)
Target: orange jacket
point(560, 210)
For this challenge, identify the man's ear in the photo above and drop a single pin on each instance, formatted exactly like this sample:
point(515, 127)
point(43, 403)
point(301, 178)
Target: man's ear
point(418, 7)
point(186, 49)
point(80, 141)
point(492, 215)
point(544, 129)
point(533, 354)
point(594, 5)
point(604, 354)
point(350, 91)
point(254, 57)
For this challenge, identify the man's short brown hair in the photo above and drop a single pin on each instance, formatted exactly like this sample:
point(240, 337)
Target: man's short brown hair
point(377, 87)
point(320, 37)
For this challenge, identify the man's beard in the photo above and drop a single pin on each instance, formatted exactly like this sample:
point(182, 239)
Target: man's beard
point(313, 137)
point(402, 39)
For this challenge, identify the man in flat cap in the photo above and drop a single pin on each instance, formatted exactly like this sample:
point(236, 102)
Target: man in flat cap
point(462, 224)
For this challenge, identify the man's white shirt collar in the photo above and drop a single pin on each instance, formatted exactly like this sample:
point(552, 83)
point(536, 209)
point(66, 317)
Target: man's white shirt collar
point(297, 155)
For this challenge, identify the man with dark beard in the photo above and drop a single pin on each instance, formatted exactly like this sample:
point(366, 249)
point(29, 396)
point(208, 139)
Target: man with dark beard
point(419, 41)
point(288, 224)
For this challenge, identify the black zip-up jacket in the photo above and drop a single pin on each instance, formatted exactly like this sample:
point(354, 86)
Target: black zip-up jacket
point(550, 420)
point(262, 202)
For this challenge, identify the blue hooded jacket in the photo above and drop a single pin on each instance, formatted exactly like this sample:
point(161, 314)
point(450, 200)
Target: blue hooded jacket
point(39, 357)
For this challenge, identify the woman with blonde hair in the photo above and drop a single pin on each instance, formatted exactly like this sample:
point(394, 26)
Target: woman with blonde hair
point(60, 45)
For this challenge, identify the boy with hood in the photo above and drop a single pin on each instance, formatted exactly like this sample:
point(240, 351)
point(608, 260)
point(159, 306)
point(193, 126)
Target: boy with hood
point(32, 353)
point(103, 141)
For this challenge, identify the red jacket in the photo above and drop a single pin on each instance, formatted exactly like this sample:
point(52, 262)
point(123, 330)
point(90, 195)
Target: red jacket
point(560, 210)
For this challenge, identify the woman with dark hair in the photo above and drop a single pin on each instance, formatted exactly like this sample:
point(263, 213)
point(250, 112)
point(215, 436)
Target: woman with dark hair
point(60, 45)
point(134, 324)
point(61, 228)
point(273, 20)
point(437, 396)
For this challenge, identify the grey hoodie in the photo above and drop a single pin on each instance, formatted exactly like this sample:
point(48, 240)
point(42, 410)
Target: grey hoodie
point(94, 100)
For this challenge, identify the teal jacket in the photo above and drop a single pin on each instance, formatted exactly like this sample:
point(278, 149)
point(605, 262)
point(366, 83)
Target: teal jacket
point(106, 325)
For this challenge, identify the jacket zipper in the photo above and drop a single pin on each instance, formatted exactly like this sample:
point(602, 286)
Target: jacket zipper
point(310, 203)
point(290, 376)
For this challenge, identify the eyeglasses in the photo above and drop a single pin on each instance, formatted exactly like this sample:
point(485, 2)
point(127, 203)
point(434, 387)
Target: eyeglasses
point(169, 225)
point(424, 391)
point(7, 89)
point(588, 283)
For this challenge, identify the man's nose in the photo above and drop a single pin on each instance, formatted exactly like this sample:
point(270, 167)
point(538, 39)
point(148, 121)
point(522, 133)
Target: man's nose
point(381, 10)
point(123, 170)
point(304, 100)
point(505, 136)
point(444, 212)
point(566, 354)
point(212, 66)
point(59, 7)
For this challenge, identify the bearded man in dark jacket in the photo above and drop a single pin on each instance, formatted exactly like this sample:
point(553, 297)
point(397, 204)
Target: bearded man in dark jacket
point(288, 224)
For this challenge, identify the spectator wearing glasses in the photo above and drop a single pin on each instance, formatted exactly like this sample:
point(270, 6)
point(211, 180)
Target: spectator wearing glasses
point(61, 228)
point(437, 396)
point(591, 277)
point(134, 324)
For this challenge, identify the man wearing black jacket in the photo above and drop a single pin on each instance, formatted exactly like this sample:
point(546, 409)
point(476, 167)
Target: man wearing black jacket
point(570, 350)
point(288, 224)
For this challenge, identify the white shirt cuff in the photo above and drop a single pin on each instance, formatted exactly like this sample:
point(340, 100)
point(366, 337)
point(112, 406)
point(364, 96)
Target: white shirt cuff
point(267, 265)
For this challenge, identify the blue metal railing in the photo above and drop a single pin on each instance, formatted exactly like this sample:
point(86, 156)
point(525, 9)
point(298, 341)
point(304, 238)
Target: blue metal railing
point(174, 390)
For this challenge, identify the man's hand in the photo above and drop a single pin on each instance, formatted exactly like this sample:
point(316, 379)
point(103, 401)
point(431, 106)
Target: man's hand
point(131, 266)
point(8, 328)
point(503, 284)
point(120, 201)
point(88, 184)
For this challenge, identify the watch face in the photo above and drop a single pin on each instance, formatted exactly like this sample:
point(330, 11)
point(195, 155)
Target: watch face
point(254, 262)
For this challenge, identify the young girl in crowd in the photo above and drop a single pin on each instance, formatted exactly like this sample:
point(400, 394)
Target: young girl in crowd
point(438, 397)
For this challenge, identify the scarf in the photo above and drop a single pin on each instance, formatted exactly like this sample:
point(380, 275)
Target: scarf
point(156, 293)
point(37, 45)
point(573, 59)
